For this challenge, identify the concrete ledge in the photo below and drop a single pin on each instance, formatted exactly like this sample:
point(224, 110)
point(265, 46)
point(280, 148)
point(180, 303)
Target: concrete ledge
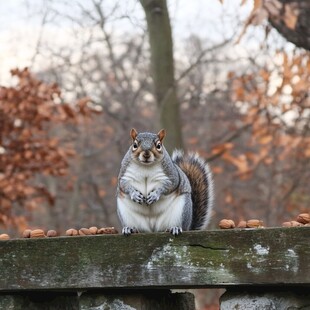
point(268, 300)
point(222, 258)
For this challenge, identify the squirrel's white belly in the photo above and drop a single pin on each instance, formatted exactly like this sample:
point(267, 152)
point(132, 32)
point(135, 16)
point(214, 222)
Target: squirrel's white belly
point(160, 216)
point(145, 179)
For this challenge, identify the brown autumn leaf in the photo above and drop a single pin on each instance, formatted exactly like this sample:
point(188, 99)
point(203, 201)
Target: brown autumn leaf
point(265, 139)
point(257, 4)
point(223, 147)
point(290, 17)
point(240, 161)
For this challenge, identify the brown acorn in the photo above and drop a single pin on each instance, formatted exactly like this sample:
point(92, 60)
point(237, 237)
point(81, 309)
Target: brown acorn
point(37, 233)
point(26, 233)
point(107, 231)
point(254, 223)
point(93, 230)
point(286, 224)
point(4, 237)
point(84, 231)
point(296, 224)
point(226, 224)
point(51, 233)
point(242, 224)
point(303, 218)
point(72, 232)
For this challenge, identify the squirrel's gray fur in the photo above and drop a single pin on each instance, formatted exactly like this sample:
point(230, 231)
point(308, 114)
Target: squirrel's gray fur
point(156, 190)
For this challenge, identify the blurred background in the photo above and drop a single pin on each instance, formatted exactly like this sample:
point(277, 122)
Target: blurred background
point(228, 79)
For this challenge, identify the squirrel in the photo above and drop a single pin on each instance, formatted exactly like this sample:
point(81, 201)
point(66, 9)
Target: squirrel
point(156, 192)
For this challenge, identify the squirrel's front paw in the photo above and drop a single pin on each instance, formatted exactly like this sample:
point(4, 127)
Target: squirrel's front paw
point(152, 197)
point(136, 196)
point(176, 230)
point(127, 231)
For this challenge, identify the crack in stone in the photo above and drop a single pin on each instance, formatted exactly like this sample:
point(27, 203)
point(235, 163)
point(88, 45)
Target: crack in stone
point(208, 247)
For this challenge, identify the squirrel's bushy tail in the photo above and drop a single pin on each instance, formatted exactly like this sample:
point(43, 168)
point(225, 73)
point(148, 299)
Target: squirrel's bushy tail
point(200, 178)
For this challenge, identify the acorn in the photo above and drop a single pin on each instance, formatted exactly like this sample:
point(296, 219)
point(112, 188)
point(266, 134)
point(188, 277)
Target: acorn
point(254, 224)
point(37, 233)
point(26, 233)
point(242, 224)
point(51, 233)
point(4, 237)
point(303, 218)
point(296, 224)
point(226, 224)
point(93, 230)
point(72, 232)
point(107, 231)
point(84, 231)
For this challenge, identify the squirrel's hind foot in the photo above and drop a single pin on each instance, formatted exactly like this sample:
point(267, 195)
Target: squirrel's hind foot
point(127, 231)
point(176, 230)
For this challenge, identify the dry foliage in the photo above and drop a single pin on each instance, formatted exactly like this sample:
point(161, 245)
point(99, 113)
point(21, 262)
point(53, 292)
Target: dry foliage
point(28, 147)
point(275, 147)
point(278, 113)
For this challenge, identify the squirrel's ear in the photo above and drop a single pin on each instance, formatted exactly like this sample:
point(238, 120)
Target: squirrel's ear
point(133, 134)
point(161, 134)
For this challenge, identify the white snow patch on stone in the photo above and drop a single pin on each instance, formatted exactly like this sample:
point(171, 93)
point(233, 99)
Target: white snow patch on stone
point(260, 250)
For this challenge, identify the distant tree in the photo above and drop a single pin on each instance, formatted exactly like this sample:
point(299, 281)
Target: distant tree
point(162, 70)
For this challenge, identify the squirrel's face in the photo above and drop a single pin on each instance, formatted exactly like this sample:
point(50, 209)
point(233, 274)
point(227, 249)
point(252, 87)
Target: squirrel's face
point(147, 148)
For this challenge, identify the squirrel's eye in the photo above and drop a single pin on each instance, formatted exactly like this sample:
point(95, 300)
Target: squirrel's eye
point(135, 146)
point(158, 146)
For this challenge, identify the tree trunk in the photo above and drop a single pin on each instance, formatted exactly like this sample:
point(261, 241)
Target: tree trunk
point(292, 19)
point(162, 68)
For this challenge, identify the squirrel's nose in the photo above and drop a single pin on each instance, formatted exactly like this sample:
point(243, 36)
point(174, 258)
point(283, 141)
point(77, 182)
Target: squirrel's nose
point(146, 154)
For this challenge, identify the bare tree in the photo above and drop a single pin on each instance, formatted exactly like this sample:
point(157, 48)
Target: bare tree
point(162, 68)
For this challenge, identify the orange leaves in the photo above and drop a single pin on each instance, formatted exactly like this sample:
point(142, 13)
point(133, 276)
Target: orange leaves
point(240, 162)
point(222, 148)
point(265, 139)
point(29, 114)
point(274, 102)
point(290, 16)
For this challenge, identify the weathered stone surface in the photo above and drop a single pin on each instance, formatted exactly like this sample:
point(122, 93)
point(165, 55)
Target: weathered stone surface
point(218, 258)
point(39, 301)
point(122, 300)
point(11, 302)
point(154, 300)
point(284, 300)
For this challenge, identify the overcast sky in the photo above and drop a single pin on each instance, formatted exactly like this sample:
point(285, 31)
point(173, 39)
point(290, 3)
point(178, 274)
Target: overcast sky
point(20, 24)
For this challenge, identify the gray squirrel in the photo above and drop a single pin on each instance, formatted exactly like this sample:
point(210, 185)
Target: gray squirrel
point(157, 192)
